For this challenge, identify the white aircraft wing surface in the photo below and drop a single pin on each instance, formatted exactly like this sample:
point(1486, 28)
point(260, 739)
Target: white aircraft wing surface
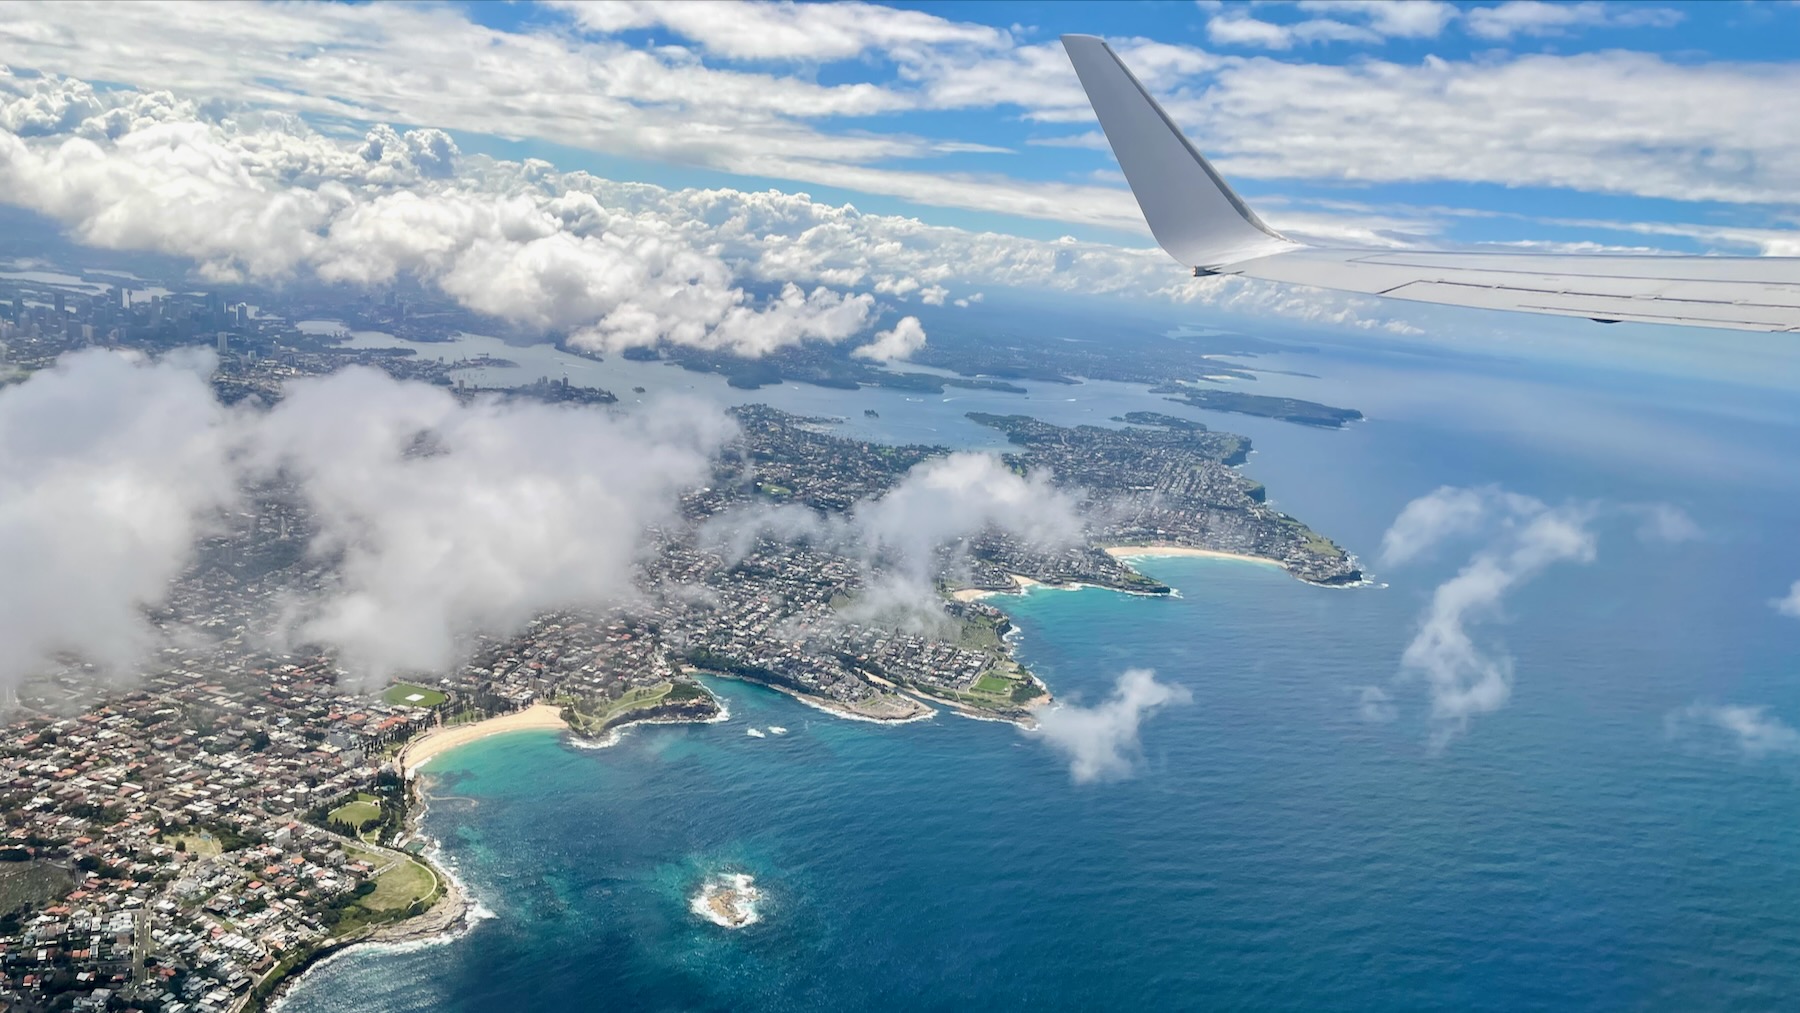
point(1197, 218)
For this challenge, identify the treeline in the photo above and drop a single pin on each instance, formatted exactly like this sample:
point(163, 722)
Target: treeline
point(482, 702)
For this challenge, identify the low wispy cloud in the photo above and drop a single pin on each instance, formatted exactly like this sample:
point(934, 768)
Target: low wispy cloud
point(1750, 731)
point(1375, 705)
point(1665, 524)
point(904, 537)
point(1538, 17)
point(1466, 679)
point(1430, 520)
point(1523, 538)
point(1518, 539)
point(1101, 741)
point(1789, 605)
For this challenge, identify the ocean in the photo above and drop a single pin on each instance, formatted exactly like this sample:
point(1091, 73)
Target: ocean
point(1583, 846)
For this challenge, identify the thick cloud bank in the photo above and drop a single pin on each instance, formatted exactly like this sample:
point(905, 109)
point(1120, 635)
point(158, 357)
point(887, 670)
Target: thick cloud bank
point(269, 201)
point(1101, 741)
point(110, 468)
point(252, 195)
point(436, 519)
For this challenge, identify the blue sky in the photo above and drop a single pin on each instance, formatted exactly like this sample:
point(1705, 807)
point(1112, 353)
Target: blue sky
point(1588, 126)
point(1423, 122)
point(1694, 35)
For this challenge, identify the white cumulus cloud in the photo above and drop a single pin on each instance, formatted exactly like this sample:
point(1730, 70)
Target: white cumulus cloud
point(511, 508)
point(1429, 520)
point(900, 342)
point(272, 203)
point(435, 520)
point(1101, 741)
point(963, 494)
point(110, 468)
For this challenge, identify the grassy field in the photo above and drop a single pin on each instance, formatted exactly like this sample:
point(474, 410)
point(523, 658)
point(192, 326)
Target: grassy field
point(634, 699)
point(993, 684)
point(31, 884)
point(363, 807)
point(405, 694)
point(404, 881)
point(647, 696)
point(200, 843)
point(979, 633)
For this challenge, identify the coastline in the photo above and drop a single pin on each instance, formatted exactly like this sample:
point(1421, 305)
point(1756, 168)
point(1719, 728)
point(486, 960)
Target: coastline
point(455, 911)
point(424, 748)
point(831, 707)
point(1026, 720)
point(1125, 552)
point(1021, 584)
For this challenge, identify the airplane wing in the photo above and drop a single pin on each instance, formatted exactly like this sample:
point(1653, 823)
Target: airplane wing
point(1197, 218)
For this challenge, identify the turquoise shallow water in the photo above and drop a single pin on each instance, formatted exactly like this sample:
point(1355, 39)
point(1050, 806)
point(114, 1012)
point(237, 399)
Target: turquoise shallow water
point(1274, 849)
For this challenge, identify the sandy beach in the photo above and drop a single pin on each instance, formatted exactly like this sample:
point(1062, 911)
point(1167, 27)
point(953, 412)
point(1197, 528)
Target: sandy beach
point(1129, 551)
point(420, 750)
point(1021, 584)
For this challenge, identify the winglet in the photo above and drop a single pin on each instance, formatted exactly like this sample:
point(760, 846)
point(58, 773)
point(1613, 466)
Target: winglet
point(1192, 212)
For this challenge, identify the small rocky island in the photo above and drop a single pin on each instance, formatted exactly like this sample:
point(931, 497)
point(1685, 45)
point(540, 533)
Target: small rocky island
point(728, 901)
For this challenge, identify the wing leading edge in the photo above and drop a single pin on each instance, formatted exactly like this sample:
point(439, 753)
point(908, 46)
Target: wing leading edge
point(1197, 218)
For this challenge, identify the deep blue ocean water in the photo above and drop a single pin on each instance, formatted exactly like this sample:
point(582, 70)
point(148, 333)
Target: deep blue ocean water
point(1273, 849)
